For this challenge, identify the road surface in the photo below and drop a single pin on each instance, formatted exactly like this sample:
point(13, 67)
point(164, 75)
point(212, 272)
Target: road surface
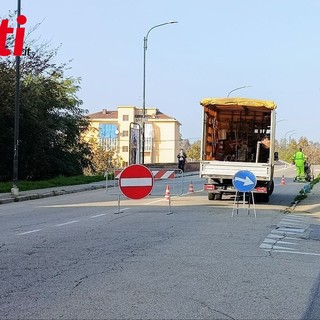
point(78, 256)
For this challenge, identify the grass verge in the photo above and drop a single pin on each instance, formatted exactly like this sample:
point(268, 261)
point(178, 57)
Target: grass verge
point(25, 185)
point(304, 191)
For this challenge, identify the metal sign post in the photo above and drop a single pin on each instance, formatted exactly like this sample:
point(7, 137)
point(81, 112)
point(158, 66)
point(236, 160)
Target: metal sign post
point(244, 181)
point(134, 143)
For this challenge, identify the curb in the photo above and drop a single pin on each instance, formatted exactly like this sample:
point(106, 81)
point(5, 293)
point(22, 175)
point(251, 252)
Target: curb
point(53, 193)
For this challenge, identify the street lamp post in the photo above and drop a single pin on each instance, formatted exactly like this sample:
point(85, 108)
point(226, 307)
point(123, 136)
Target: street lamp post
point(285, 135)
point(289, 140)
point(15, 189)
point(145, 42)
point(238, 89)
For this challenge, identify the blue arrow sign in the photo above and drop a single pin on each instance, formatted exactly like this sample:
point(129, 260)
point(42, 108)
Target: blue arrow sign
point(244, 181)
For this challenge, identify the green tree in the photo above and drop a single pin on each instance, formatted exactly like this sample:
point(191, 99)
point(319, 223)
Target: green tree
point(286, 150)
point(194, 151)
point(102, 160)
point(51, 118)
point(185, 144)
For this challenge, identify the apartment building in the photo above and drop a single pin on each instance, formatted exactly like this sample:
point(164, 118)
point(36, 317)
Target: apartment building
point(122, 129)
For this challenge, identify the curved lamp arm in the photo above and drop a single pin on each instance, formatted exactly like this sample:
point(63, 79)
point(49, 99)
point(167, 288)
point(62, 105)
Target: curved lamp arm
point(238, 89)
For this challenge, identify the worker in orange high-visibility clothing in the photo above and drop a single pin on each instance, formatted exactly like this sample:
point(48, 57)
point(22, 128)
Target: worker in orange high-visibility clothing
point(298, 159)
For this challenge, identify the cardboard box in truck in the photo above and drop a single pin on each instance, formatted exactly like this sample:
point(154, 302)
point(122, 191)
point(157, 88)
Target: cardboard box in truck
point(237, 134)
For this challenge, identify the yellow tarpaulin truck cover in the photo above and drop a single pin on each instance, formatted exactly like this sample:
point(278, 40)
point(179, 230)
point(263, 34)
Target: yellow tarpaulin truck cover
point(245, 102)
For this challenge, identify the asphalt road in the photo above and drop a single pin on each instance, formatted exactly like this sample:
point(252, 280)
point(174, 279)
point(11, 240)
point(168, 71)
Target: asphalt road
point(89, 256)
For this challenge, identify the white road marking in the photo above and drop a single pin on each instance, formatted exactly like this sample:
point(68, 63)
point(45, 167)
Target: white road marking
point(27, 232)
point(269, 241)
point(273, 247)
point(287, 242)
point(98, 215)
point(154, 201)
point(278, 241)
point(293, 238)
point(291, 230)
point(293, 226)
point(65, 223)
point(285, 232)
point(265, 246)
point(294, 218)
point(281, 248)
point(298, 252)
point(172, 197)
point(276, 236)
point(299, 222)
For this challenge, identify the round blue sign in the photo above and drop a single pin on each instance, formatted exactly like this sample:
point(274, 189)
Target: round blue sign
point(244, 181)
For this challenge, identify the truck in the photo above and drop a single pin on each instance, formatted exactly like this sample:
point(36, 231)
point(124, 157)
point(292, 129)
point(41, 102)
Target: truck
point(238, 134)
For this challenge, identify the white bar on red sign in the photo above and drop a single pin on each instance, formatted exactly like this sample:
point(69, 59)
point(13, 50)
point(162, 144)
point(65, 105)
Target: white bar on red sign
point(136, 182)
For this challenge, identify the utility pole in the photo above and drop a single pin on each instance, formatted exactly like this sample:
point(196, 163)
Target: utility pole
point(15, 189)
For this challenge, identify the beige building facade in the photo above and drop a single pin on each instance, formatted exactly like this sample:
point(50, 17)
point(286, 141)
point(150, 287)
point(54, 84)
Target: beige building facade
point(121, 130)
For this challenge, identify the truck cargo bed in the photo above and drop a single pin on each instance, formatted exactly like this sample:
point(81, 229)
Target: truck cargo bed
point(226, 170)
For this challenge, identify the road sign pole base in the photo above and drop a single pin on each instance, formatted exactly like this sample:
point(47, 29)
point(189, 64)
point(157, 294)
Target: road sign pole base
point(119, 210)
point(170, 211)
point(237, 200)
point(15, 191)
point(253, 204)
point(235, 203)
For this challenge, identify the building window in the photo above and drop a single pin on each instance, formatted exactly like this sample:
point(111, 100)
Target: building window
point(107, 136)
point(148, 137)
point(125, 133)
point(125, 149)
point(125, 117)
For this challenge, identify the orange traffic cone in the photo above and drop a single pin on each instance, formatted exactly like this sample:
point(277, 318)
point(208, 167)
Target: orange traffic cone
point(167, 195)
point(191, 189)
point(283, 182)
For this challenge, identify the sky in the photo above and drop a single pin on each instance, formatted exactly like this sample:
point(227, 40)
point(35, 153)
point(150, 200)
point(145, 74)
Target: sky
point(270, 47)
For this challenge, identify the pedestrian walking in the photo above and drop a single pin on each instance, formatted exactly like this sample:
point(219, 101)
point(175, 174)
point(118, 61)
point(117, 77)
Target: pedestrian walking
point(181, 159)
point(299, 159)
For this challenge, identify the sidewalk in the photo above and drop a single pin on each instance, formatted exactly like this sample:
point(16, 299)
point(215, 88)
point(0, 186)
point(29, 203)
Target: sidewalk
point(49, 192)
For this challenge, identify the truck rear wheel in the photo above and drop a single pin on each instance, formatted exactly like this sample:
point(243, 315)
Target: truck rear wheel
point(217, 196)
point(214, 196)
point(271, 187)
point(261, 197)
point(265, 197)
point(210, 196)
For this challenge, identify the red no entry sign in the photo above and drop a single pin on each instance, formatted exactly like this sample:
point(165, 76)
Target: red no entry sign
point(136, 181)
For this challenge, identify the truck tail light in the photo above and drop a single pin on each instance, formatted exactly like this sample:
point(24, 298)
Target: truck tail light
point(209, 187)
point(260, 190)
